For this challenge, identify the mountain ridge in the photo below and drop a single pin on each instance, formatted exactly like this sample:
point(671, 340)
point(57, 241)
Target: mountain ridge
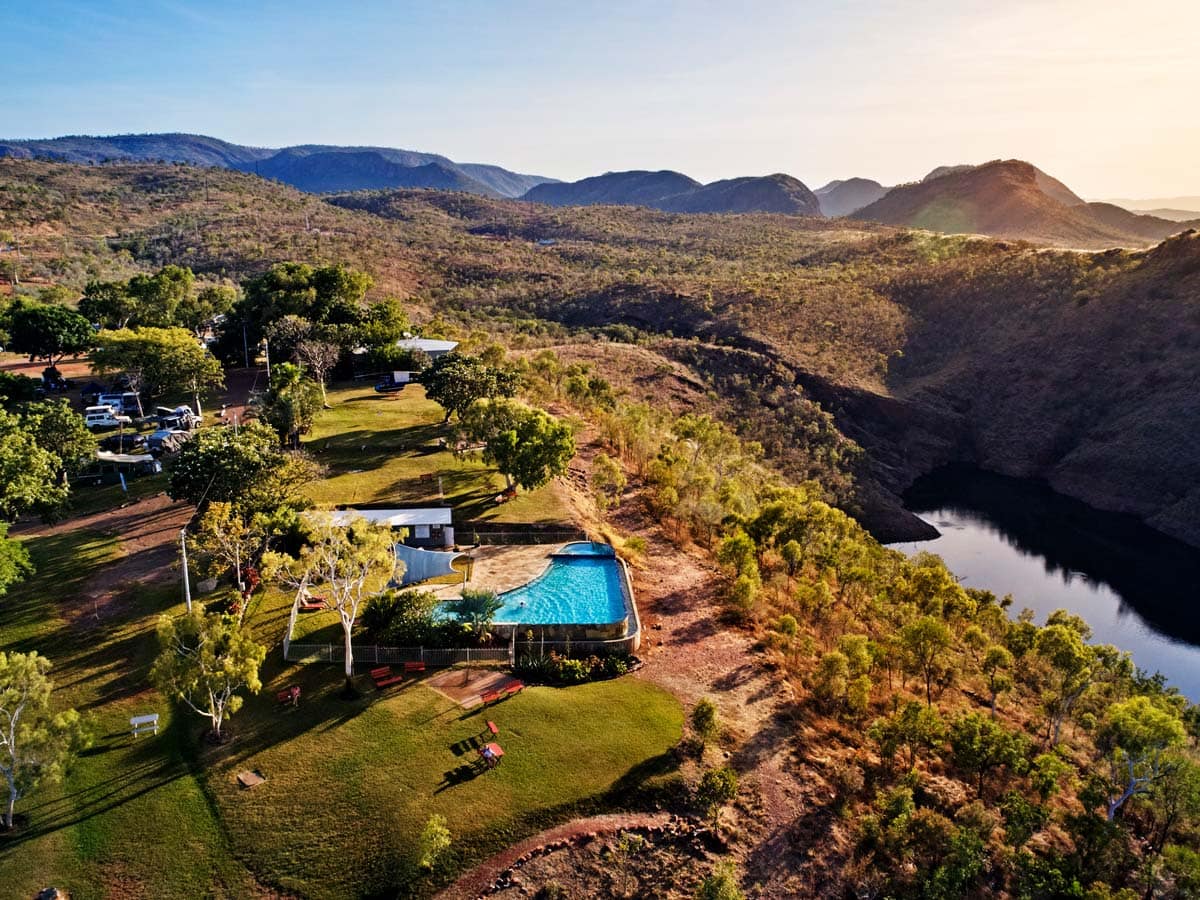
point(310, 167)
point(672, 191)
point(1013, 199)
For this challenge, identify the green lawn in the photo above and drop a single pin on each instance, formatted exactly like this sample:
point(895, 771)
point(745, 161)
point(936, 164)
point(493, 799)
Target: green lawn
point(350, 783)
point(131, 818)
point(384, 448)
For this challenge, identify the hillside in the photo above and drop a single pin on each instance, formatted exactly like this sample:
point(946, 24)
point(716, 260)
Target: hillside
point(636, 188)
point(1013, 199)
point(310, 167)
point(326, 171)
point(925, 349)
point(841, 198)
point(674, 192)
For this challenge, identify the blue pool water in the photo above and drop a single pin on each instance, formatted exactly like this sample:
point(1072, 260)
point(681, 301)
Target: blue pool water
point(579, 588)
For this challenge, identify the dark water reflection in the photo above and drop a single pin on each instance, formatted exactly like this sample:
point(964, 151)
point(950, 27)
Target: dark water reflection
point(1137, 588)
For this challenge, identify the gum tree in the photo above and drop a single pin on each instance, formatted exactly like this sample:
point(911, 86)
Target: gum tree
point(36, 745)
point(347, 561)
point(206, 661)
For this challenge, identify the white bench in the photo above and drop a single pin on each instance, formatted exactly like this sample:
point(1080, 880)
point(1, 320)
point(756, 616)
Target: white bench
point(144, 724)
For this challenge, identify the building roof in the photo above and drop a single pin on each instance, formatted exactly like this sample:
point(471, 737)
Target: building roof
point(398, 518)
point(426, 344)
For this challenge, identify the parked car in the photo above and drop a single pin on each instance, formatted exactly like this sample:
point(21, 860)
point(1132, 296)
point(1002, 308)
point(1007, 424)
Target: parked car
point(104, 417)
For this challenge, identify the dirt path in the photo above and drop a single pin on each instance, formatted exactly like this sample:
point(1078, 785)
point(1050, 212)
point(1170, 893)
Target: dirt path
point(476, 882)
point(148, 535)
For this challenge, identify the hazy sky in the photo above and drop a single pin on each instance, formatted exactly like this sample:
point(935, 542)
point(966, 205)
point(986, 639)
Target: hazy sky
point(1100, 93)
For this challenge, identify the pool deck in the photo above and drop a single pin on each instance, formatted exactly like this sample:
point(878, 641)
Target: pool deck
point(500, 568)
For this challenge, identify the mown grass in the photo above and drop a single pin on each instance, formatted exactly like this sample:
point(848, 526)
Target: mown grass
point(131, 818)
point(385, 448)
point(350, 783)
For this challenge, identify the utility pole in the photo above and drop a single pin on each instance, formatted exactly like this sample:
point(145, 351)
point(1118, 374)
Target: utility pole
point(245, 345)
point(267, 346)
point(187, 582)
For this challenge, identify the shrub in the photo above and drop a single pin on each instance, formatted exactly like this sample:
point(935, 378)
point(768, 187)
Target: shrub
point(717, 787)
point(721, 884)
point(705, 721)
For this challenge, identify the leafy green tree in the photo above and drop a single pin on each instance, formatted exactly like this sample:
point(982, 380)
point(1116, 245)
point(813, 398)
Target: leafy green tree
point(1047, 773)
point(433, 841)
point(292, 403)
point(403, 618)
point(48, 332)
point(717, 787)
point(199, 309)
point(831, 680)
point(981, 745)
point(1071, 662)
point(914, 727)
point(1135, 737)
point(159, 362)
point(995, 666)
point(60, 430)
point(455, 381)
point(385, 323)
point(157, 297)
point(226, 541)
point(17, 390)
point(108, 304)
point(1022, 818)
point(705, 720)
point(245, 467)
point(721, 883)
point(14, 560)
point(325, 295)
point(206, 659)
point(346, 560)
point(1173, 801)
point(36, 745)
point(925, 642)
point(29, 474)
point(539, 448)
point(608, 481)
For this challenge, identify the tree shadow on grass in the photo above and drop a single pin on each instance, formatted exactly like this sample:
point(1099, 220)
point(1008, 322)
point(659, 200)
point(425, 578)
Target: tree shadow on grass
point(154, 763)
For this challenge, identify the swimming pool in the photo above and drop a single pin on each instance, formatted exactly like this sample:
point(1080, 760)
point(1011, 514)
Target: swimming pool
point(583, 585)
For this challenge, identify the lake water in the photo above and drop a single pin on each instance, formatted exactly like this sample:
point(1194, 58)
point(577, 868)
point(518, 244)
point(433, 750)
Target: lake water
point(1137, 588)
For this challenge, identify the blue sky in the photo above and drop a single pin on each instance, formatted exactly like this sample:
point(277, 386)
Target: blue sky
point(1100, 93)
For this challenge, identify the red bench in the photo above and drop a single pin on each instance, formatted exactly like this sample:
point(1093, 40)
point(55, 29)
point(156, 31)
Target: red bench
point(410, 667)
point(489, 697)
point(491, 726)
point(312, 604)
point(383, 677)
point(514, 689)
point(289, 696)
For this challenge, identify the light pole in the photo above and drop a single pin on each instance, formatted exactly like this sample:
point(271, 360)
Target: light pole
point(187, 582)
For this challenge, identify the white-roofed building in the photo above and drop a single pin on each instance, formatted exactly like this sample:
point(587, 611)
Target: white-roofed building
point(429, 346)
point(427, 526)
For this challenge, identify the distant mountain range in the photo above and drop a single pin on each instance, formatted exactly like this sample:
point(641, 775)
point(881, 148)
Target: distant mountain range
point(313, 168)
point(1177, 208)
point(1013, 199)
point(675, 192)
point(1003, 198)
